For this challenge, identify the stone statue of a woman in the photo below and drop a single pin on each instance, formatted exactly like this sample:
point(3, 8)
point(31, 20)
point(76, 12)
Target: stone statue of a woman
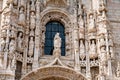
point(31, 47)
point(22, 17)
point(57, 45)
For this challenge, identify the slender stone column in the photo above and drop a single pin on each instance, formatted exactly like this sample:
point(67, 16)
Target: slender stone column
point(26, 37)
point(37, 37)
point(88, 73)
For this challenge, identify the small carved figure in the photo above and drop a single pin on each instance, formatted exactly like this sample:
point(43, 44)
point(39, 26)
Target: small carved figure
point(20, 41)
point(82, 50)
point(31, 47)
point(81, 22)
point(57, 45)
point(32, 20)
point(22, 17)
point(102, 41)
point(93, 48)
point(81, 27)
point(91, 22)
point(12, 46)
point(2, 44)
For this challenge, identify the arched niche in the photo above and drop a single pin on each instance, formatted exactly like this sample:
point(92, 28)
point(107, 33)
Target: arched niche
point(62, 17)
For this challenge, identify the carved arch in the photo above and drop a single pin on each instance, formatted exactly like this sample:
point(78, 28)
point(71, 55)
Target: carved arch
point(55, 72)
point(56, 15)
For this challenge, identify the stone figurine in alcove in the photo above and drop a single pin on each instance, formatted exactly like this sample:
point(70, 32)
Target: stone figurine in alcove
point(57, 45)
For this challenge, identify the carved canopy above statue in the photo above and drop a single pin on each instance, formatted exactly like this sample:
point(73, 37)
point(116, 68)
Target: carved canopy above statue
point(55, 72)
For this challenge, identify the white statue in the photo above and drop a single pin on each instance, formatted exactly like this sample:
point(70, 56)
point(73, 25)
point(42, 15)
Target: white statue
point(102, 41)
point(22, 17)
point(32, 5)
point(57, 41)
point(31, 47)
point(81, 27)
point(82, 50)
point(2, 45)
point(12, 46)
point(81, 22)
point(93, 53)
point(57, 45)
point(32, 20)
point(91, 23)
point(20, 41)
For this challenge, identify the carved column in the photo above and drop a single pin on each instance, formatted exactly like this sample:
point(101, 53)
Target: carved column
point(26, 37)
point(37, 37)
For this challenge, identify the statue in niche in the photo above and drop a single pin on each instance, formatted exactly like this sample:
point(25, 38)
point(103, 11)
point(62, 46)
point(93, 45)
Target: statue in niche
point(31, 47)
point(102, 41)
point(57, 45)
point(91, 22)
point(93, 52)
point(12, 46)
point(81, 27)
point(32, 5)
point(2, 44)
point(20, 40)
point(81, 22)
point(82, 50)
point(22, 17)
point(32, 20)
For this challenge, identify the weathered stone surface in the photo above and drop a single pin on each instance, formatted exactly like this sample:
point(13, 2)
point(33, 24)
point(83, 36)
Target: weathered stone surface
point(92, 40)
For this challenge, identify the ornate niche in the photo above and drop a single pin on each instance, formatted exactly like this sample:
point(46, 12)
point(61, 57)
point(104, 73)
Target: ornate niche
point(62, 18)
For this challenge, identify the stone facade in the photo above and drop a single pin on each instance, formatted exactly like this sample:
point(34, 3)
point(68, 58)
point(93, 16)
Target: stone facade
point(92, 40)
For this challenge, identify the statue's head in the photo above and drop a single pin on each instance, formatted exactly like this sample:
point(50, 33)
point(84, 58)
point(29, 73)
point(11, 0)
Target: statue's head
point(58, 34)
